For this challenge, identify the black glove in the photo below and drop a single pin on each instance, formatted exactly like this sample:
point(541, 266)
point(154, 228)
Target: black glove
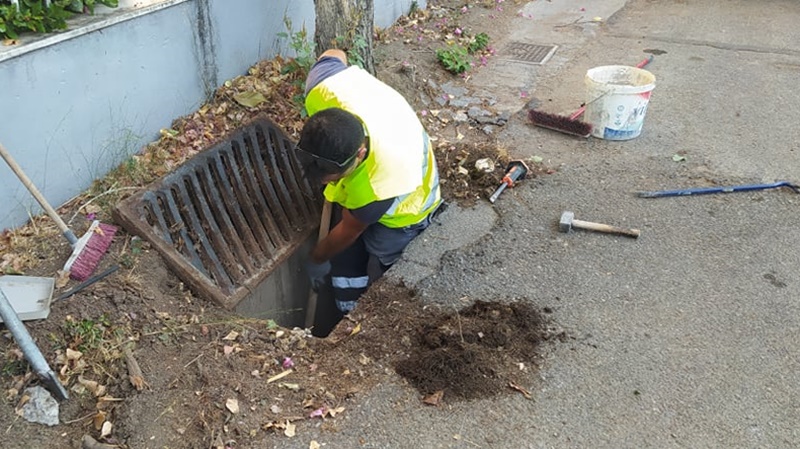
point(317, 273)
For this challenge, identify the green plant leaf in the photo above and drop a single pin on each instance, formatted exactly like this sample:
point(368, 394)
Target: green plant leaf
point(678, 158)
point(249, 99)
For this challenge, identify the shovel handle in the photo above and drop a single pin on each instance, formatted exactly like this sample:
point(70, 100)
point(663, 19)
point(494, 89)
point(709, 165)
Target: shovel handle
point(608, 229)
point(324, 228)
point(12, 164)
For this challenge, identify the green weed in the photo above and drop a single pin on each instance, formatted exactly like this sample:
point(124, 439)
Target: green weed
point(304, 49)
point(479, 42)
point(356, 50)
point(87, 334)
point(455, 59)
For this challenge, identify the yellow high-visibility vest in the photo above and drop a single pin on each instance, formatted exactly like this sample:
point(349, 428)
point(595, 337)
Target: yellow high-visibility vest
point(400, 164)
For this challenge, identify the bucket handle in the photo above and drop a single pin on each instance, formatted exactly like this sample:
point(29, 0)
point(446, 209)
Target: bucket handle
point(599, 97)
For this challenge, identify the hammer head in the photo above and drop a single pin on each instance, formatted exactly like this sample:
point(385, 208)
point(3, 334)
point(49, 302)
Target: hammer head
point(565, 223)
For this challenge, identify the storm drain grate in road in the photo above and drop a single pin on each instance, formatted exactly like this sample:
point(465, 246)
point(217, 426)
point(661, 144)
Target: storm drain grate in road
point(529, 53)
point(224, 220)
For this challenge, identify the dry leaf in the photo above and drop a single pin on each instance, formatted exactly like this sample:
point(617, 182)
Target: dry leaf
point(231, 336)
point(434, 398)
point(249, 99)
point(227, 350)
point(333, 412)
point(364, 360)
point(313, 445)
point(290, 429)
point(62, 277)
point(73, 355)
point(293, 387)
point(9, 42)
point(95, 388)
point(232, 405)
point(356, 329)
point(99, 419)
point(105, 431)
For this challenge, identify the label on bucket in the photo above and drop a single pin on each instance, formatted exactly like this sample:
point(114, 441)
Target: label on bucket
point(627, 117)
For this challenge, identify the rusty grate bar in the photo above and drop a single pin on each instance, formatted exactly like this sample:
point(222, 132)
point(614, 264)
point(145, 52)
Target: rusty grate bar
point(229, 216)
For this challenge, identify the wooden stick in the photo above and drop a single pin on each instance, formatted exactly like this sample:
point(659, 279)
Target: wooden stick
point(324, 227)
point(134, 372)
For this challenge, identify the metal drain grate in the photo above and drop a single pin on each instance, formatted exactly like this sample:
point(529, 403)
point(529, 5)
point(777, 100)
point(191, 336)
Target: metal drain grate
point(529, 53)
point(225, 219)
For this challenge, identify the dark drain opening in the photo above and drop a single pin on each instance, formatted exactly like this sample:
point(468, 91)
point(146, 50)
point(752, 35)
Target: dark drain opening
point(235, 223)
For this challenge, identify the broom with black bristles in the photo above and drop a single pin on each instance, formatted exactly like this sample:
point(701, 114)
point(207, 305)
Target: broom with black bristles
point(569, 124)
point(86, 251)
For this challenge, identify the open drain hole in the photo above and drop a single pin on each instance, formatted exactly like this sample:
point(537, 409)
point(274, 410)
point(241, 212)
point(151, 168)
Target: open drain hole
point(235, 223)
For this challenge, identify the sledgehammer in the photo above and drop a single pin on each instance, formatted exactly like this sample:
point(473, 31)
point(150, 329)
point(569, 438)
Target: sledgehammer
point(568, 222)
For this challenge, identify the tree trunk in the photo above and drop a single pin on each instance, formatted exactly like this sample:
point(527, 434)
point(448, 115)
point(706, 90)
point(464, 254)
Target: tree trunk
point(346, 25)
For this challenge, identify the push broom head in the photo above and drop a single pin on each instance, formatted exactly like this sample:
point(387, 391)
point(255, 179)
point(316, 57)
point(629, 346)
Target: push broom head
point(559, 123)
point(86, 254)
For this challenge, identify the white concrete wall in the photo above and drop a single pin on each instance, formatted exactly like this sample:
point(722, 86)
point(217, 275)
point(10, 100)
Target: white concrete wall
point(76, 108)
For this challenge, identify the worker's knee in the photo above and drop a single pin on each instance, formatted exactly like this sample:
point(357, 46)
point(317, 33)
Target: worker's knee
point(388, 244)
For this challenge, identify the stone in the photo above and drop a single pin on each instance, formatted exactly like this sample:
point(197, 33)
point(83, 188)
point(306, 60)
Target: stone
point(41, 408)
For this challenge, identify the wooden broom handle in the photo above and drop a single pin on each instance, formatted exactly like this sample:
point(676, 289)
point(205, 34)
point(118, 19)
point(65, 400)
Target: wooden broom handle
point(36, 194)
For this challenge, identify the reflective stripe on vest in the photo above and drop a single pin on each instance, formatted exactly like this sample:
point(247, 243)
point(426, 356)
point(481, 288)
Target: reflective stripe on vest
point(401, 161)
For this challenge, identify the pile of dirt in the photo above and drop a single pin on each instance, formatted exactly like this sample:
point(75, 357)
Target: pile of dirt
point(476, 352)
point(472, 171)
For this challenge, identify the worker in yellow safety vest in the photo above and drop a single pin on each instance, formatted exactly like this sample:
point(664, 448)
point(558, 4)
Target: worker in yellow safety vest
point(364, 142)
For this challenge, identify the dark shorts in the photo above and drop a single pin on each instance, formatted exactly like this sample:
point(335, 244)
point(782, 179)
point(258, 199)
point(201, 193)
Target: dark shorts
point(387, 244)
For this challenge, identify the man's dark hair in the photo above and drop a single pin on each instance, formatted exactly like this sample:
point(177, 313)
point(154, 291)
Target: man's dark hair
point(333, 134)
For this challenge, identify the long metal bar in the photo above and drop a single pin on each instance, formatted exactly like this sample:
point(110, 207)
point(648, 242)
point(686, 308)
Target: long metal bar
point(29, 349)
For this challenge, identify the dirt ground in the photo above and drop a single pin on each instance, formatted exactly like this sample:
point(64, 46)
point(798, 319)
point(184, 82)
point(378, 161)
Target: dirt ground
point(150, 365)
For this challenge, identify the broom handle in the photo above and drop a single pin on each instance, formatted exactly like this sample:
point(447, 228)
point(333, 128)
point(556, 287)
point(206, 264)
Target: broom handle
point(36, 194)
point(640, 65)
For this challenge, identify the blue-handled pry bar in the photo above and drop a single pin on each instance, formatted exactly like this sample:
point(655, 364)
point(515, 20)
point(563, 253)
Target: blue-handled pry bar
point(723, 189)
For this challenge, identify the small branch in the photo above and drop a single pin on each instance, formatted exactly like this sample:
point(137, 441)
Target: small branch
point(134, 372)
point(82, 418)
point(460, 330)
point(107, 192)
point(193, 360)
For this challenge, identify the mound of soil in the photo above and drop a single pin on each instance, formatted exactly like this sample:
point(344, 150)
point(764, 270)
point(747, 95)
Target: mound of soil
point(476, 352)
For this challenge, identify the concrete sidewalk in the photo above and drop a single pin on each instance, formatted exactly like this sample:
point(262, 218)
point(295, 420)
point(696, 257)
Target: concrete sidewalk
point(686, 337)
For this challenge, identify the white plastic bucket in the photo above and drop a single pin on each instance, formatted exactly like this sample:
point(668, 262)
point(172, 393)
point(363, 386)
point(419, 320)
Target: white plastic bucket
point(616, 100)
